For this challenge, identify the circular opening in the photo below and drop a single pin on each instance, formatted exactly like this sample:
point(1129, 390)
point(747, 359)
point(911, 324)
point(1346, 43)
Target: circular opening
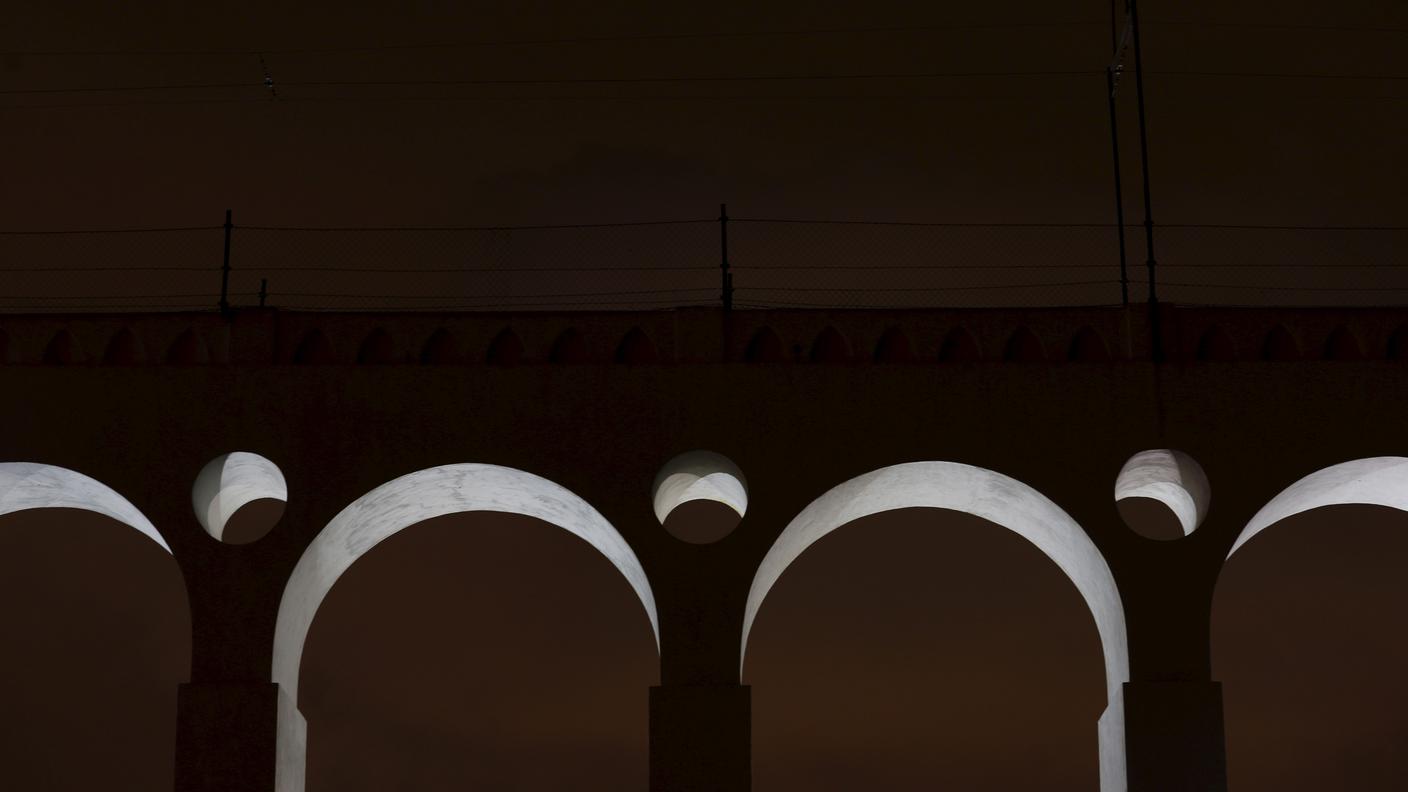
point(702, 521)
point(252, 521)
point(238, 497)
point(1150, 518)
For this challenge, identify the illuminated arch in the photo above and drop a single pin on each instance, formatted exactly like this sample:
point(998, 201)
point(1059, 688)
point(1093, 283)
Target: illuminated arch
point(1376, 481)
point(997, 499)
point(392, 507)
point(33, 485)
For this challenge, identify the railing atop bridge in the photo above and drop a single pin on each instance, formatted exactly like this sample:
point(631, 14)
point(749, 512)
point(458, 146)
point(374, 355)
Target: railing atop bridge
point(768, 263)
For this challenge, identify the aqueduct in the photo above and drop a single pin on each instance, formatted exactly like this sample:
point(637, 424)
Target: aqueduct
point(800, 421)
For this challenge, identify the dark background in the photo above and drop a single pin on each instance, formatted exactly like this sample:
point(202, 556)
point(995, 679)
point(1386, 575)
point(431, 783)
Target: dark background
point(542, 681)
point(1021, 149)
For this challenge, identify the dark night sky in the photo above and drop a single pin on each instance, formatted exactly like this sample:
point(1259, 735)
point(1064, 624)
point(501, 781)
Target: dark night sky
point(1004, 149)
point(433, 662)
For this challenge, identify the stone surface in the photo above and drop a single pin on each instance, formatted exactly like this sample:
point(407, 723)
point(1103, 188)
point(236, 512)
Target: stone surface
point(31, 485)
point(995, 498)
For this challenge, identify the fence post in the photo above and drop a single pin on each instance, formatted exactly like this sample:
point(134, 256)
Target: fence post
point(225, 269)
point(727, 279)
point(1110, 89)
point(1148, 202)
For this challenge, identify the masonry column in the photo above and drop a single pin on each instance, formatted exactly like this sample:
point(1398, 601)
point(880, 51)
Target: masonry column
point(228, 715)
point(227, 736)
point(700, 738)
point(1173, 723)
point(1174, 736)
point(700, 714)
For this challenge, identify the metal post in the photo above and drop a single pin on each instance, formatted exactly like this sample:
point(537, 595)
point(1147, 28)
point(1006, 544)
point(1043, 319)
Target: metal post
point(727, 279)
point(1119, 190)
point(263, 290)
point(225, 269)
point(1148, 203)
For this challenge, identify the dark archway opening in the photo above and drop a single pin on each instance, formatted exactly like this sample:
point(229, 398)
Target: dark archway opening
point(924, 649)
point(479, 651)
point(97, 637)
point(1309, 640)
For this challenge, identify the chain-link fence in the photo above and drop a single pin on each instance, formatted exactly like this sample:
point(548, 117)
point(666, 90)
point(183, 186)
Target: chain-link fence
point(642, 266)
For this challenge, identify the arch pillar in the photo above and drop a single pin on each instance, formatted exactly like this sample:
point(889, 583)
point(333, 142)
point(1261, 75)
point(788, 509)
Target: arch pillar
point(402, 502)
point(227, 735)
point(1174, 737)
point(1172, 707)
point(701, 738)
point(700, 713)
point(228, 715)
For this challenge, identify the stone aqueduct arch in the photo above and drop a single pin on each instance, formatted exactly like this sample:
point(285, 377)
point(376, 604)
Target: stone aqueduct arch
point(1169, 477)
point(389, 509)
point(1000, 500)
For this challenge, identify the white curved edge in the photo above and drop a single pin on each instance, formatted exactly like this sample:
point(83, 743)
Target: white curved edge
point(1170, 477)
point(973, 490)
point(1376, 481)
point(34, 485)
point(699, 475)
point(998, 499)
point(230, 481)
point(421, 496)
point(385, 511)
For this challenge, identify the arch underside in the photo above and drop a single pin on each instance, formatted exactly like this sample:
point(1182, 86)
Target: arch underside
point(392, 507)
point(1375, 481)
point(34, 485)
point(997, 499)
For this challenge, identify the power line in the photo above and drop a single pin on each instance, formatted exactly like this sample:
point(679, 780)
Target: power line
point(553, 81)
point(473, 43)
point(763, 33)
point(859, 76)
point(1278, 26)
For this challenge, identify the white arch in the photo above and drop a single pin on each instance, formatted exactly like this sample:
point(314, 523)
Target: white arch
point(34, 485)
point(385, 511)
point(995, 498)
point(231, 481)
point(1376, 481)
